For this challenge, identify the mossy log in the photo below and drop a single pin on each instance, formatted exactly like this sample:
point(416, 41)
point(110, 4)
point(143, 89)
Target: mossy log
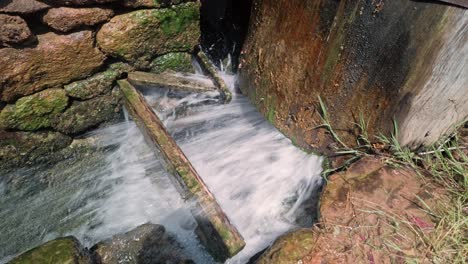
point(215, 231)
point(210, 69)
point(172, 80)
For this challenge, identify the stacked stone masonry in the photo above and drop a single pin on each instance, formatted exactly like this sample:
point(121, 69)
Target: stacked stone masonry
point(60, 60)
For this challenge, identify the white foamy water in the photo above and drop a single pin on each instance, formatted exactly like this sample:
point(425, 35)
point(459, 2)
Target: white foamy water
point(263, 183)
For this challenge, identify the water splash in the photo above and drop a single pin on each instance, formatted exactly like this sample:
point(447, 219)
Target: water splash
point(262, 182)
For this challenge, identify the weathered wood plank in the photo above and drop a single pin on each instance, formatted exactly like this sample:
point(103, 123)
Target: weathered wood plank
point(172, 80)
point(218, 235)
point(210, 69)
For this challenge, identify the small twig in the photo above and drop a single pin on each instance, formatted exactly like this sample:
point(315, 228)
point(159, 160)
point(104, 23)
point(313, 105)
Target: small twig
point(441, 150)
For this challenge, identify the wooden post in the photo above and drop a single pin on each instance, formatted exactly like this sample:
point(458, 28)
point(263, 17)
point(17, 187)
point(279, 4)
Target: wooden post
point(172, 80)
point(215, 231)
point(210, 69)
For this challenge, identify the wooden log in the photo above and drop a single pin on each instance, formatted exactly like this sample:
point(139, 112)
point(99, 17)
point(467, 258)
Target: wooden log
point(211, 70)
point(172, 80)
point(215, 231)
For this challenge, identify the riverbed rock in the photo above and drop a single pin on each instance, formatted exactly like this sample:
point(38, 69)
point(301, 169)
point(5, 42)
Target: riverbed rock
point(82, 115)
point(98, 84)
point(146, 244)
point(35, 111)
point(65, 19)
point(56, 60)
point(140, 35)
point(19, 148)
point(22, 6)
point(14, 30)
point(61, 250)
point(175, 61)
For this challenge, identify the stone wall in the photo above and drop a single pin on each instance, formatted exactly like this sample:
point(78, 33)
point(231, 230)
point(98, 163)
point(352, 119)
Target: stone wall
point(60, 59)
point(399, 59)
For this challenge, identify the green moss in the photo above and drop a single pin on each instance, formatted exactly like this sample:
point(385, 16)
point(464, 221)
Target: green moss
point(176, 61)
point(63, 250)
point(35, 111)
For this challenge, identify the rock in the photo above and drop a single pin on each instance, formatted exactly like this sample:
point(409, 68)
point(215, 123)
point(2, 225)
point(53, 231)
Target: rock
point(65, 19)
point(364, 211)
point(61, 250)
point(146, 244)
point(22, 6)
point(83, 115)
point(76, 2)
point(14, 30)
point(151, 3)
point(98, 84)
point(140, 35)
point(35, 111)
point(56, 60)
point(176, 61)
point(25, 148)
point(289, 248)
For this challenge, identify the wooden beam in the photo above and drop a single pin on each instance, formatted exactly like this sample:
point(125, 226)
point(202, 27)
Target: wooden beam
point(211, 70)
point(172, 80)
point(215, 231)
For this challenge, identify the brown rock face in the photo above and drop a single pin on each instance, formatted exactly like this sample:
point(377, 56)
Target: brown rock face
point(14, 30)
point(65, 19)
point(22, 6)
point(56, 60)
point(371, 213)
point(385, 61)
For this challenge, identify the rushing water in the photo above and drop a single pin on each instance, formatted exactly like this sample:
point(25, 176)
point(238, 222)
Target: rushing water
point(263, 183)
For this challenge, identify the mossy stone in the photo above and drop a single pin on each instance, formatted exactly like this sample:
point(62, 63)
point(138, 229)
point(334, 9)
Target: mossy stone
point(83, 115)
point(34, 112)
point(98, 84)
point(176, 61)
point(140, 35)
point(63, 250)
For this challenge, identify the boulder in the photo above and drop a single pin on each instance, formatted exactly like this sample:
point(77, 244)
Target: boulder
point(83, 115)
point(14, 30)
point(176, 61)
point(55, 61)
point(146, 244)
point(35, 111)
point(140, 35)
point(65, 19)
point(22, 6)
point(25, 148)
point(289, 248)
point(98, 84)
point(61, 250)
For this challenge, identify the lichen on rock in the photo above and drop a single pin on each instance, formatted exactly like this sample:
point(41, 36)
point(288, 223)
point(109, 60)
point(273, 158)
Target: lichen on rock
point(35, 111)
point(176, 61)
point(140, 35)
